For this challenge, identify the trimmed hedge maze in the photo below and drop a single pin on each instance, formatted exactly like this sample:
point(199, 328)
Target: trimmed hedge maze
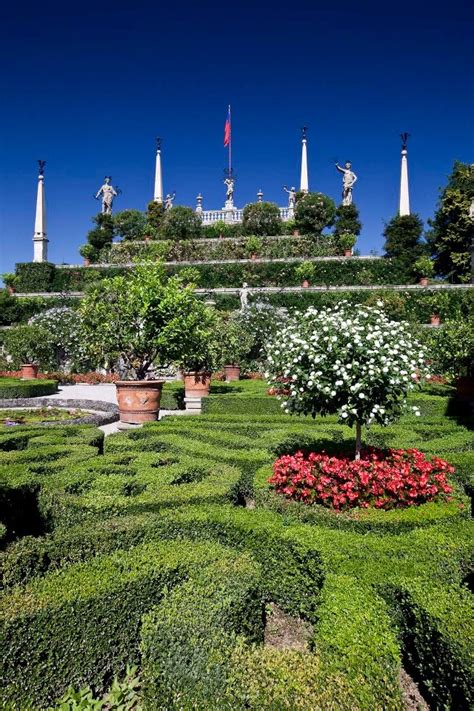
point(164, 547)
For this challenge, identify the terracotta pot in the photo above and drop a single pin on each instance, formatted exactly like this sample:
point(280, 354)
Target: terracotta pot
point(147, 239)
point(305, 284)
point(348, 252)
point(423, 281)
point(29, 371)
point(139, 400)
point(197, 383)
point(87, 262)
point(11, 289)
point(296, 233)
point(253, 257)
point(465, 388)
point(435, 319)
point(232, 372)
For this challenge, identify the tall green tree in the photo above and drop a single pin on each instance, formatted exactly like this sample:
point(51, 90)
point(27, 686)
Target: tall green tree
point(347, 220)
point(403, 240)
point(130, 224)
point(314, 212)
point(261, 218)
point(452, 229)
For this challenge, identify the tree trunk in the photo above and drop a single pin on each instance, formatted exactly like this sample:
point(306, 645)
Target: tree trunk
point(358, 440)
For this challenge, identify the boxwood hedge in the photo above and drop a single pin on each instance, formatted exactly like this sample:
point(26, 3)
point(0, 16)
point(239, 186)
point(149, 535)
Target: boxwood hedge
point(172, 536)
point(17, 388)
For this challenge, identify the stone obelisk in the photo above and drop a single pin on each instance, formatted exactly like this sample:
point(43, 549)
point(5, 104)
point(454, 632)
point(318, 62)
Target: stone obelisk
point(304, 183)
point(40, 240)
point(158, 193)
point(404, 208)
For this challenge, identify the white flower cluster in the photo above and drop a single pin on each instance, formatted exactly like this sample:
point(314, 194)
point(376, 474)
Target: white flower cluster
point(350, 360)
point(64, 328)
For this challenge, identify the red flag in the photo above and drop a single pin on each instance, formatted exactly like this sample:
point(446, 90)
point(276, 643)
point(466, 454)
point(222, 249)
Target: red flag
point(227, 129)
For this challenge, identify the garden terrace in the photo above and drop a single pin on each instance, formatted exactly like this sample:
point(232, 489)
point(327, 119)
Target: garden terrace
point(166, 549)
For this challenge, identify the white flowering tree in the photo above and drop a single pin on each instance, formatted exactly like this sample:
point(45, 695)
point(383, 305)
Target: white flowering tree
point(348, 360)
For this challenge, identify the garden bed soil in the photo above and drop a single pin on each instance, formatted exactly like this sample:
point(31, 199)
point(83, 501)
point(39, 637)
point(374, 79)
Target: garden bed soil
point(282, 631)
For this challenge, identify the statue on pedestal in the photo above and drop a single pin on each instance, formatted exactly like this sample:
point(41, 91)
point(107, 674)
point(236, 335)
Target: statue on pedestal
point(229, 182)
point(244, 296)
point(169, 200)
point(108, 193)
point(291, 196)
point(348, 182)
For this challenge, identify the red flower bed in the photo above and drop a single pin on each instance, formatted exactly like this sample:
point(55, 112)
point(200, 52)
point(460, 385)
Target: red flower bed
point(92, 378)
point(395, 478)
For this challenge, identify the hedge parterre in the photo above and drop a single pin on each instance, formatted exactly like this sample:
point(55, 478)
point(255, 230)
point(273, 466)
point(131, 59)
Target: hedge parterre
point(165, 549)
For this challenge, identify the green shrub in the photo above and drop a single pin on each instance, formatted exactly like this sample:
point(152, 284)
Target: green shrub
point(261, 218)
point(16, 388)
point(180, 223)
point(82, 626)
point(314, 212)
point(188, 638)
point(34, 276)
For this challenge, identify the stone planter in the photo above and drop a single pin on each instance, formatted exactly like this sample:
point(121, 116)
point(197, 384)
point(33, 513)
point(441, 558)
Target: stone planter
point(197, 383)
point(29, 371)
point(424, 281)
point(435, 319)
point(139, 400)
point(232, 373)
point(305, 283)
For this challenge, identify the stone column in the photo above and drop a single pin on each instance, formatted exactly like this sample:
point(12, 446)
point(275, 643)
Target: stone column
point(40, 240)
point(304, 182)
point(158, 193)
point(404, 208)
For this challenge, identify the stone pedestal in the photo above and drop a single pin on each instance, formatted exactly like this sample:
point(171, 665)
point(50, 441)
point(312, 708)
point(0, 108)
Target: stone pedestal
point(229, 210)
point(193, 405)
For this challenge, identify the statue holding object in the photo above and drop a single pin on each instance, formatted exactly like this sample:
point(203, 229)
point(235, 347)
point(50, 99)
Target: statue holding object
point(291, 196)
point(108, 193)
point(348, 182)
point(169, 200)
point(229, 182)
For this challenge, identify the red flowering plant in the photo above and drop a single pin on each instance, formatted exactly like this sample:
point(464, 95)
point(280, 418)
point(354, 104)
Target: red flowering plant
point(395, 478)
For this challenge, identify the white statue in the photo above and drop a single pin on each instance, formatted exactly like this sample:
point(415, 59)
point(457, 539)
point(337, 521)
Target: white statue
point(229, 183)
point(169, 200)
point(244, 296)
point(471, 209)
point(291, 196)
point(108, 193)
point(348, 182)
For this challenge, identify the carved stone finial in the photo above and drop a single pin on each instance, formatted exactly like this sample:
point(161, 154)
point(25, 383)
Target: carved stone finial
point(304, 133)
point(158, 143)
point(41, 164)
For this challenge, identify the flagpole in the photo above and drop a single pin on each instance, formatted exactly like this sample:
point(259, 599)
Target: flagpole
point(230, 144)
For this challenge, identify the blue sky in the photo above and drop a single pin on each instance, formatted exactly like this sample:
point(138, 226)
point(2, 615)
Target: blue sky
point(87, 87)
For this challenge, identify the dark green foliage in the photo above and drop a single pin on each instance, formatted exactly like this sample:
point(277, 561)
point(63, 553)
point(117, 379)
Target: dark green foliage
point(15, 388)
point(180, 223)
point(314, 212)
point(130, 225)
point(154, 216)
point(8, 308)
point(261, 218)
point(102, 235)
point(151, 552)
point(34, 276)
point(190, 635)
point(452, 230)
point(403, 240)
point(347, 220)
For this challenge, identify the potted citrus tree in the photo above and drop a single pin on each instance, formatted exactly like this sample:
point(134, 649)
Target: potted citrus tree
point(304, 272)
point(27, 346)
point(137, 322)
point(346, 242)
point(424, 269)
point(233, 343)
point(198, 355)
